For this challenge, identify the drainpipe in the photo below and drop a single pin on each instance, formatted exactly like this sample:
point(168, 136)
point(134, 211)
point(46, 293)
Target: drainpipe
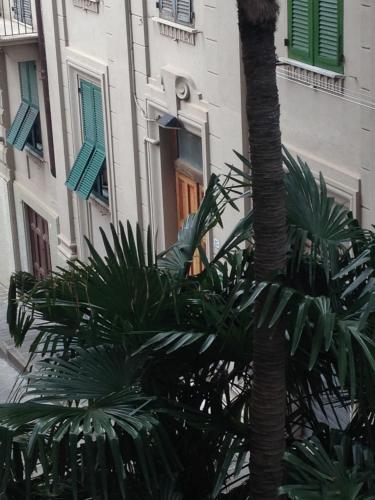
point(44, 76)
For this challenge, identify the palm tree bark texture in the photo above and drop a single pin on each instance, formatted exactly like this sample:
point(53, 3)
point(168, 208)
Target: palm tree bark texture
point(257, 24)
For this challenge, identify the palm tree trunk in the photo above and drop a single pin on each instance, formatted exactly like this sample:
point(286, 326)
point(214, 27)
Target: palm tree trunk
point(257, 23)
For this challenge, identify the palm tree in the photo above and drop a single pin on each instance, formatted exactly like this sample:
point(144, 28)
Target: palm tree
point(145, 383)
point(257, 23)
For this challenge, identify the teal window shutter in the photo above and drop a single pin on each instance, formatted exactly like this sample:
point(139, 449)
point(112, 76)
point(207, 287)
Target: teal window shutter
point(91, 157)
point(79, 166)
point(328, 36)
point(300, 28)
point(90, 174)
point(28, 111)
point(27, 125)
point(184, 11)
point(17, 122)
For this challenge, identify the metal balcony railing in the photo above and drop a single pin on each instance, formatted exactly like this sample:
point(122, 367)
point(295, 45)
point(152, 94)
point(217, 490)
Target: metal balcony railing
point(17, 20)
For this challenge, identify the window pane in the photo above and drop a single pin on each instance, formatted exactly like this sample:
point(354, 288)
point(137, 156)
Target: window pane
point(190, 149)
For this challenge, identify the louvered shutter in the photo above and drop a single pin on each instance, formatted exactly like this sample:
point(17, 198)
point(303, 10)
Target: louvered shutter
point(300, 27)
point(27, 125)
point(17, 123)
point(328, 34)
point(97, 160)
point(86, 184)
point(28, 111)
point(91, 157)
point(87, 109)
point(89, 136)
point(167, 9)
point(22, 11)
point(184, 11)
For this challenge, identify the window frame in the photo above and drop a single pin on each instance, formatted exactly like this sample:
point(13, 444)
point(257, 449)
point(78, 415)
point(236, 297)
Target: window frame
point(313, 58)
point(174, 17)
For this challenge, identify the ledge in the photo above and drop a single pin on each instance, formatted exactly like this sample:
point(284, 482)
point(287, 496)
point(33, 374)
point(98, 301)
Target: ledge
point(311, 76)
point(313, 69)
point(178, 32)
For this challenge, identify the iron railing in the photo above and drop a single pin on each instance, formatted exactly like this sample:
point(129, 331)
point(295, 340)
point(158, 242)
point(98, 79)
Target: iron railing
point(16, 18)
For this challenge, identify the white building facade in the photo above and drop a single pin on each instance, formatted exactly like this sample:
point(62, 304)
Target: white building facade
point(146, 100)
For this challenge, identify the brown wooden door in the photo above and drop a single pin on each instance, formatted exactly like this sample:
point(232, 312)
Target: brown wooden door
point(189, 195)
point(39, 244)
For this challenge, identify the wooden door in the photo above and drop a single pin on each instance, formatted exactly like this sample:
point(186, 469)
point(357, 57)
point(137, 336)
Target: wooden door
point(39, 244)
point(189, 195)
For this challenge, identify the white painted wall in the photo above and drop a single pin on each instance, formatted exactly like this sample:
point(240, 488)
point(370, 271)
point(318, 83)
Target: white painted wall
point(138, 68)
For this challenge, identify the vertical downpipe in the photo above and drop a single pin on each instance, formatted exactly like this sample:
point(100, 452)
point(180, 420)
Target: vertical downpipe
point(44, 75)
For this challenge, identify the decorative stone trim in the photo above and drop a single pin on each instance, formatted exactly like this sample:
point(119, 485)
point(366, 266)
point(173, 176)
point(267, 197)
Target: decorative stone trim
point(315, 77)
point(177, 32)
point(91, 5)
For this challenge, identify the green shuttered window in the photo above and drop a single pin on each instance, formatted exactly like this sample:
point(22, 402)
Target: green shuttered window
point(179, 11)
point(91, 158)
point(25, 128)
point(316, 32)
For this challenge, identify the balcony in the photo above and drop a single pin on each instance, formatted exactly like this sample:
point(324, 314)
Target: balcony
point(17, 22)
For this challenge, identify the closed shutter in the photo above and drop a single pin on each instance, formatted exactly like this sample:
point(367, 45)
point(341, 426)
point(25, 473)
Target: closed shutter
point(328, 34)
point(39, 244)
point(300, 26)
point(87, 109)
point(22, 11)
point(167, 9)
point(184, 11)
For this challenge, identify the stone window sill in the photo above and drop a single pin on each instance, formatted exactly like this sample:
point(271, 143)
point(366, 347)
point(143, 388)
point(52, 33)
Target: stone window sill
point(178, 32)
point(311, 76)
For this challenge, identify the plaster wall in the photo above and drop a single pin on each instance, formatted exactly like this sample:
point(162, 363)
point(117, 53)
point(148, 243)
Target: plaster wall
point(334, 130)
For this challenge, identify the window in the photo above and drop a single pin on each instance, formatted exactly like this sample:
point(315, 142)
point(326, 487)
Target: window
point(316, 32)
point(22, 11)
point(26, 127)
point(88, 173)
point(179, 11)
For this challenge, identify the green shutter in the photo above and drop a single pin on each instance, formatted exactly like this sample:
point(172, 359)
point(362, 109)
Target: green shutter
point(328, 36)
point(91, 157)
point(98, 114)
point(300, 28)
point(90, 174)
point(79, 166)
point(26, 127)
point(88, 112)
point(17, 123)
point(184, 12)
